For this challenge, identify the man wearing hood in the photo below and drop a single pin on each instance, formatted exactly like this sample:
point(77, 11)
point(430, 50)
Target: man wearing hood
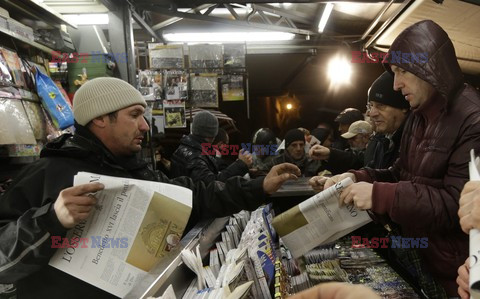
point(420, 193)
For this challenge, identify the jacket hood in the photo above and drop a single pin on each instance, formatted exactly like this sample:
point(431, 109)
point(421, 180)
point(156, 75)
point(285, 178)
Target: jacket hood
point(425, 50)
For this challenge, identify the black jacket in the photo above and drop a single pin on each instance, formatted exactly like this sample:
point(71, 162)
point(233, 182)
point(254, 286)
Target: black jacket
point(381, 151)
point(188, 160)
point(341, 161)
point(27, 218)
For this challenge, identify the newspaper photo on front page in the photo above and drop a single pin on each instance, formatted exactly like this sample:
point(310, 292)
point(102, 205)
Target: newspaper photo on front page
point(133, 225)
point(318, 220)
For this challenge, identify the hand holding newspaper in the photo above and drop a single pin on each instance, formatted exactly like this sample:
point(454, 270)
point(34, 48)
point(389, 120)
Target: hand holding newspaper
point(474, 234)
point(318, 220)
point(134, 224)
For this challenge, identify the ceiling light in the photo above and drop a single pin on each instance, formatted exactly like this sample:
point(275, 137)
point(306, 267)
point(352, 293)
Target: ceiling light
point(289, 106)
point(339, 70)
point(325, 15)
point(228, 36)
point(88, 19)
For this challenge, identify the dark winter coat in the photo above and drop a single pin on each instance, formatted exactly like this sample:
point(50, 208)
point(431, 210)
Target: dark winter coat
point(201, 166)
point(421, 191)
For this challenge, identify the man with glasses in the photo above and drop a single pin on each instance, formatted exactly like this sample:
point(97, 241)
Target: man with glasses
point(388, 111)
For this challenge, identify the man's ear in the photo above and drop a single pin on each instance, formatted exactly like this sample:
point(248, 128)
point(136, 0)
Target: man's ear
point(100, 121)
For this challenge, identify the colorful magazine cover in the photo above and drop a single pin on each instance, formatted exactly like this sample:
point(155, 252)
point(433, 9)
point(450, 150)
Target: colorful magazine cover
point(14, 65)
point(174, 113)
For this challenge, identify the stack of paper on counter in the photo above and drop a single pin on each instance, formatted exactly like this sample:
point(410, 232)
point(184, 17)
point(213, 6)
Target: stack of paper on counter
point(318, 220)
point(134, 224)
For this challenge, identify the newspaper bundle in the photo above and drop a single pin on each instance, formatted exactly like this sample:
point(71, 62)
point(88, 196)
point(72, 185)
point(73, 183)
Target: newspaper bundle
point(318, 220)
point(133, 225)
point(474, 236)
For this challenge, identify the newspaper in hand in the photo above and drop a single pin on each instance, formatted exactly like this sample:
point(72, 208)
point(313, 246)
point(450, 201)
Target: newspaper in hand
point(474, 235)
point(318, 220)
point(133, 225)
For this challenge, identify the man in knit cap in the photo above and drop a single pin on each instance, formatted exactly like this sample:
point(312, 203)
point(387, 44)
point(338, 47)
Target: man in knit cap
point(41, 202)
point(388, 110)
point(295, 154)
point(193, 160)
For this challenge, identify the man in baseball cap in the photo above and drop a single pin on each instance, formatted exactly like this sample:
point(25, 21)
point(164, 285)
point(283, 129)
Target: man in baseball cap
point(358, 134)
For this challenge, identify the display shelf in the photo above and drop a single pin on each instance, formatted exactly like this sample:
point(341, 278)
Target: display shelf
point(37, 10)
point(29, 42)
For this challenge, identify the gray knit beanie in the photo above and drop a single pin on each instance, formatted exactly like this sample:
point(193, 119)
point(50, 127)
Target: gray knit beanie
point(205, 124)
point(103, 95)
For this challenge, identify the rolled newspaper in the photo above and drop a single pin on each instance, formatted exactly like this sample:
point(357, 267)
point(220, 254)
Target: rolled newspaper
point(474, 235)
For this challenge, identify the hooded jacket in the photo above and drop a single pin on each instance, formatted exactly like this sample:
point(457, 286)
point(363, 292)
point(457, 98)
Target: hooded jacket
point(421, 191)
point(28, 220)
point(191, 160)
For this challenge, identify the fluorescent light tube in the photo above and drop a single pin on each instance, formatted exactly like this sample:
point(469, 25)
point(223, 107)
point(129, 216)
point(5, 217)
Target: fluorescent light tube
point(88, 19)
point(325, 15)
point(228, 36)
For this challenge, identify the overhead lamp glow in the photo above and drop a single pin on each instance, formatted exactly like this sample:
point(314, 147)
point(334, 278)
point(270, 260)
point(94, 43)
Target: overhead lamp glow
point(339, 70)
point(88, 19)
point(289, 106)
point(325, 15)
point(228, 36)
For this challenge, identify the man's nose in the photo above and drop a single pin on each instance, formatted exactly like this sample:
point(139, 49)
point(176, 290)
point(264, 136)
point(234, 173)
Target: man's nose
point(397, 84)
point(143, 126)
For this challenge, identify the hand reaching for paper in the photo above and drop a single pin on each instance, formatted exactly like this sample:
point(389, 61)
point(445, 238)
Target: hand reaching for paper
point(469, 211)
point(358, 194)
point(74, 204)
point(319, 152)
point(278, 175)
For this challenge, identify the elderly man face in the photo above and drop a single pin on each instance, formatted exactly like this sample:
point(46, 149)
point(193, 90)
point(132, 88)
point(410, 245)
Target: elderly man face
point(296, 149)
point(385, 118)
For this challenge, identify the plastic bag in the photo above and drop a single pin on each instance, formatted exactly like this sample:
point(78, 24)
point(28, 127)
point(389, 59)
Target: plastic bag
point(53, 101)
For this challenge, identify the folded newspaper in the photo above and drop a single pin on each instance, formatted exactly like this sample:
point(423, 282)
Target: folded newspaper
point(318, 220)
point(474, 236)
point(133, 225)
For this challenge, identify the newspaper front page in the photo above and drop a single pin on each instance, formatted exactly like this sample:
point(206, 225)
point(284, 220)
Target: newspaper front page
point(133, 225)
point(318, 220)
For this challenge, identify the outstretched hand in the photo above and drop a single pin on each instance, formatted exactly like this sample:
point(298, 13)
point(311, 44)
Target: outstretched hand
point(319, 152)
point(278, 175)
